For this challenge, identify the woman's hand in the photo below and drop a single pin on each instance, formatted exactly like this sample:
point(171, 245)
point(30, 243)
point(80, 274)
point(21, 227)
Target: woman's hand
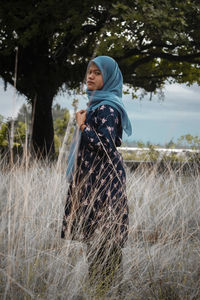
point(81, 117)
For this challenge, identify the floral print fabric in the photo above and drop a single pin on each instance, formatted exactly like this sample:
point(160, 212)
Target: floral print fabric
point(96, 203)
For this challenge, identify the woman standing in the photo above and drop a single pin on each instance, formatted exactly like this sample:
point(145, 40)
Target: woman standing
point(96, 209)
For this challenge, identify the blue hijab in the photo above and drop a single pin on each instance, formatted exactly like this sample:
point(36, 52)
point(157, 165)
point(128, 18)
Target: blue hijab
point(110, 94)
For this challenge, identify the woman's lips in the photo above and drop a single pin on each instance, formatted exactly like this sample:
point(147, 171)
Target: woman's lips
point(90, 82)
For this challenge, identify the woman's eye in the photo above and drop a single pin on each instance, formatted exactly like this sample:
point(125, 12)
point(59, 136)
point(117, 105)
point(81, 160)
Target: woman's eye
point(95, 72)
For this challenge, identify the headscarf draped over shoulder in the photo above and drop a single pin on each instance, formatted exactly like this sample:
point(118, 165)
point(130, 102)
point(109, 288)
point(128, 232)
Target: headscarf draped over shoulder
point(110, 94)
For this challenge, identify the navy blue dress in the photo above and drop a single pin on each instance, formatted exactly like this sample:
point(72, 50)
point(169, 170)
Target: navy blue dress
point(96, 202)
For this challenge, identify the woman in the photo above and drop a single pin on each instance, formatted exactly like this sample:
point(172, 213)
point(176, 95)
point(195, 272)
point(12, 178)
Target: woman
point(96, 210)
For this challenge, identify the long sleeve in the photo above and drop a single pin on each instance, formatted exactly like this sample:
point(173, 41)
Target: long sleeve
point(102, 136)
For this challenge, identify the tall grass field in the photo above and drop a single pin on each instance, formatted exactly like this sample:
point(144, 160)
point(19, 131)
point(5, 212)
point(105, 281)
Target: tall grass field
point(161, 259)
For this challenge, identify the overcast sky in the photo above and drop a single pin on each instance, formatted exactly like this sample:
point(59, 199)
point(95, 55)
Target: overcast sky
point(155, 121)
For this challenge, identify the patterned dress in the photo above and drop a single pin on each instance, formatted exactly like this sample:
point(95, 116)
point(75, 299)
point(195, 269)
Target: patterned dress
point(96, 203)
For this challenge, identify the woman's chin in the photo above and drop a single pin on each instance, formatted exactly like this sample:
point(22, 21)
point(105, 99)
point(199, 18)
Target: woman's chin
point(91, 88)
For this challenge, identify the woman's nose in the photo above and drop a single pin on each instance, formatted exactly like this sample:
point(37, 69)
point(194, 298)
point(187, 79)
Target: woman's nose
point(91, 75)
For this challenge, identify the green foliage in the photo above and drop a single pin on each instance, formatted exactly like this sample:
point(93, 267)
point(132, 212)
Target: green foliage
point(141, 154)
point(61, 117)
point(151, 154)
point(1, 119)
point(155, 41)
point(61, 120)
point(152, 41)
point(53, 42)
point(173, 157)
point(192, 141)
point(170, 144)
point(19, 134)
point(4, 135)
point(60, 124)
point(57, 143)
point(51, 37)
point(20, 129)
point(24, 114)
point(140, 144)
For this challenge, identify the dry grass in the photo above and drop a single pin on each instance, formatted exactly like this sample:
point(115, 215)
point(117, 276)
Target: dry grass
point(161, 259)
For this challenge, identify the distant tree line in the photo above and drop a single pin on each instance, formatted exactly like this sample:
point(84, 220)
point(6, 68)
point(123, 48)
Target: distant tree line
point(186, 141)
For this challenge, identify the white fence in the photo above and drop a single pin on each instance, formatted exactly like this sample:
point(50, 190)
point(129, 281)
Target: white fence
point(130, 149)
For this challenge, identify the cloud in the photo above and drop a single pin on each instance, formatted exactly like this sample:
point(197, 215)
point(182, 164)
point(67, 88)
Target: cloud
point(195, 88)
point(165, 115)
point(9, 102)
point(180, 104)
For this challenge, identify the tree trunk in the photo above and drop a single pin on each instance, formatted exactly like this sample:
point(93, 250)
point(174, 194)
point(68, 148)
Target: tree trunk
point(42, 127)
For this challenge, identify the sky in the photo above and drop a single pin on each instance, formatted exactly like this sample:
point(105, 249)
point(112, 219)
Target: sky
point(155, 121)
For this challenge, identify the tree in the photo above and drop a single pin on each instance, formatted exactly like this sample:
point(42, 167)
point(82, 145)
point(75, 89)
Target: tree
point(152, 41)
point(24, 114)
point(1, 119)
point(170, 144)
point(4, 135)
point(22, 131)
point(189, 140)
point(54, 41)
point(61, 121)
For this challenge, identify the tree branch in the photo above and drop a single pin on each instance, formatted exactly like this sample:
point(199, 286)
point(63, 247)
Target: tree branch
point(179, 58)
point(132, 52)
point(191, 58)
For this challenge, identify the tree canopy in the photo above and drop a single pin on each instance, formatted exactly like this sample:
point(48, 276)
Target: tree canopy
point(155, 41)
point(54, 41)
point(48, 44)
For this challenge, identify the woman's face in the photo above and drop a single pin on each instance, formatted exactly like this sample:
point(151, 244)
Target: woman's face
point(94, 78)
